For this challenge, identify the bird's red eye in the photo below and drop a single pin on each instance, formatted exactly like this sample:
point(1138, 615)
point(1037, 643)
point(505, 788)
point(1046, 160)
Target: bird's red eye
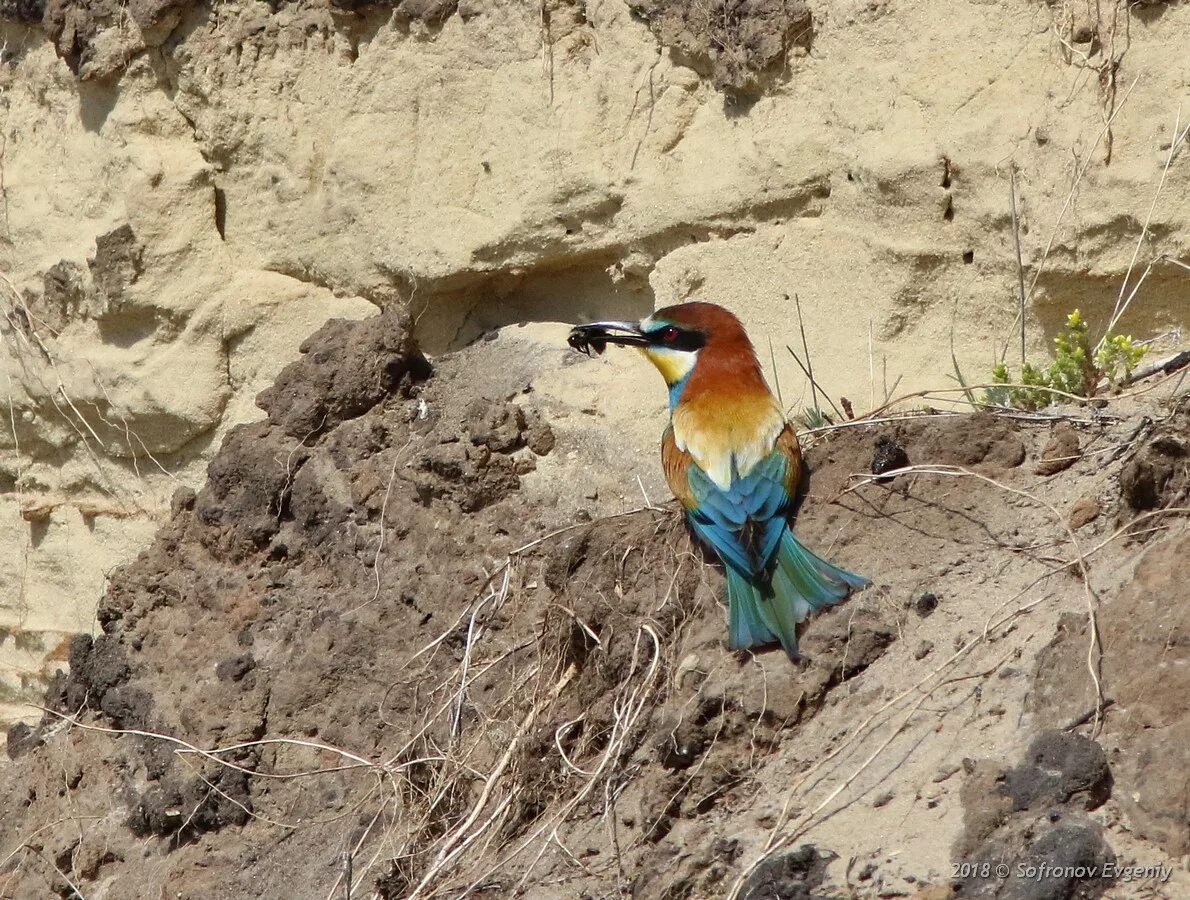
point(669, 334)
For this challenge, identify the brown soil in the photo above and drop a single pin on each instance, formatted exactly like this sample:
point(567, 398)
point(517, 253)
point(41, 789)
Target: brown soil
point(1146, 635)
point(363, 651)
point(737, 44)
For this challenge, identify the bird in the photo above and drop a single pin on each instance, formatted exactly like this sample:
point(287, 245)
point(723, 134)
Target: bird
point(734, 464)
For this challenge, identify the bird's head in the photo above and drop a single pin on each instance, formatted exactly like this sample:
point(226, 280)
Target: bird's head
point(674, 338)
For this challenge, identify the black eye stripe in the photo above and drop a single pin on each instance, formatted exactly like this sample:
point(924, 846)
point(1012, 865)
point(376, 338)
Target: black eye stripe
point(673, 338)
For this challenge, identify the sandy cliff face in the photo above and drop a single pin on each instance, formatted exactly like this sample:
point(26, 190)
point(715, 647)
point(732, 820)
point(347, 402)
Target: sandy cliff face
point(190, 189)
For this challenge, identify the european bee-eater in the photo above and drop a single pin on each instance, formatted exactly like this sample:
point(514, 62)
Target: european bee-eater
point(734, 464)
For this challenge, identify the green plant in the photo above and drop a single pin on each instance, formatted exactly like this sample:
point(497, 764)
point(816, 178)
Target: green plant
point(1077, 369)
point(811, 418)
point(1118, 354)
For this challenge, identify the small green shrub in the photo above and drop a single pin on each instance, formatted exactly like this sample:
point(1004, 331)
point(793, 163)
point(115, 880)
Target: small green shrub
point(1077, 369)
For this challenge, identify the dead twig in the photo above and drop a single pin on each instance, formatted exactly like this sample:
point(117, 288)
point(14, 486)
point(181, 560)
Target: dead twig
point(458, 839)
point(1165, 367)
point(1020, 266)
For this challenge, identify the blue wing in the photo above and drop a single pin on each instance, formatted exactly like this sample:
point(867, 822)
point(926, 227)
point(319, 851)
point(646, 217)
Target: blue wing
point(744, 523)
point(773, 582)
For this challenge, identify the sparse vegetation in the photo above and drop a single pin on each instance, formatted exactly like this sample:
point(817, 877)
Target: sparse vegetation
point(812, 418)
point(1078, 369)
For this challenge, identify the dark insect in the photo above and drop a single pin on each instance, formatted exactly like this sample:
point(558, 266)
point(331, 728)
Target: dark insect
point(588, 340)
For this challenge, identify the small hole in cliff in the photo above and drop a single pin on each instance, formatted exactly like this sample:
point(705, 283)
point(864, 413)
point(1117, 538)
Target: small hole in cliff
point(37, 531)
point(220, 213)
point(850, 177)
point(945, 172)
point(969, 257)
point(948, 210)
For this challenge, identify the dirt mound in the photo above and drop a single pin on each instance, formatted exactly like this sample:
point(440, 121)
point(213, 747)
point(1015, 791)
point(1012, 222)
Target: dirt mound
point(1159, 475)
point(1145, 678)
point(349, 578)
point(361, 652)
point(1028, 818)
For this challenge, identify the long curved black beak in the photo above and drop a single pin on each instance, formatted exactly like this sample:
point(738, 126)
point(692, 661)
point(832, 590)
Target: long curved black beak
point(595, 337)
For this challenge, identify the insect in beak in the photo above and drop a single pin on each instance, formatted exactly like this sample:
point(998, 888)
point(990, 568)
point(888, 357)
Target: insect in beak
point(593, 339)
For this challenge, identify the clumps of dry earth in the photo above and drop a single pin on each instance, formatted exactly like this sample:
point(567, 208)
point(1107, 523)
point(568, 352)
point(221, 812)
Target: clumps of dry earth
point(739, 45)
point(97, 39)
point(361, 661)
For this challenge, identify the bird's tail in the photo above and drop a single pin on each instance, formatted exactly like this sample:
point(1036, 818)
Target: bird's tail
point(769, 608)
